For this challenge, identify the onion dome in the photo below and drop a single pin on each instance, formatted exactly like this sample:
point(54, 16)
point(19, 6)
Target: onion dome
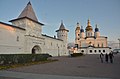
point(82, 30)
point(96, 29)
point(89, 27)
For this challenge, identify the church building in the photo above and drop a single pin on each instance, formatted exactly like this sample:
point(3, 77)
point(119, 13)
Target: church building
point(24, 36)
point(90, 41)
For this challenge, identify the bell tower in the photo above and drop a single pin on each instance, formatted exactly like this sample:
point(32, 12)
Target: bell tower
point(77, 33)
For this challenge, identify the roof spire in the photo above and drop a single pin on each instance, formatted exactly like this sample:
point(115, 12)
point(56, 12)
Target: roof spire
point(82, 30)
point(78, 24)
point(29, 3)
point(61, 21)
point(88, 22)
point(96, 26)
point(28, 12)
point(62, 27)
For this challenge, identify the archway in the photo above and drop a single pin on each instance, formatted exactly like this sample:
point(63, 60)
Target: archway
point(36, 49)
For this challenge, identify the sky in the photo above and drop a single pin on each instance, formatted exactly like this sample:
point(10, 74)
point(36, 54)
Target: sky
point(104, 13)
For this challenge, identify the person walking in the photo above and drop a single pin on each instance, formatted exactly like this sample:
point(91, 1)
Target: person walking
point(111, 57)
point(106, 58)
point(101, 57)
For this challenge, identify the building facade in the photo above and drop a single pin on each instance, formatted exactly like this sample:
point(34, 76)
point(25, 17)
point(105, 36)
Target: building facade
point(90, 41)
point(24, 36)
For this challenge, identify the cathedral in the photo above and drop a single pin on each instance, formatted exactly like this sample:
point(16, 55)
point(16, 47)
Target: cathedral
point(24, 36)
point(90, 41)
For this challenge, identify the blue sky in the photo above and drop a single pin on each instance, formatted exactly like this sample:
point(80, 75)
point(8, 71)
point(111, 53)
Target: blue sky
point(105, 13)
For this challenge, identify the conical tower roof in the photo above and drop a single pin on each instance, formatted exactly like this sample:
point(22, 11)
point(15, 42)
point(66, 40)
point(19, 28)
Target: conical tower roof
point(62, 27)
point(28, 12)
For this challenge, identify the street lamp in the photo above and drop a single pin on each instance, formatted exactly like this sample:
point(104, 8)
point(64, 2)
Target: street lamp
point(58, 52)
point(119, 42)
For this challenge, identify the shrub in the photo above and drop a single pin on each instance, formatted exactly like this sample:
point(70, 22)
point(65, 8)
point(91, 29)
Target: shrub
point(7, 59)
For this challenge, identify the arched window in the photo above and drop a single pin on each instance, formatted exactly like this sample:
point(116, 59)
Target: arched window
point(103, 50)
point(98, 45)
point(95, 51)
point(88, 34)
point(90, 51)
point(99, 50)
point(82, 51)
point(102, 45)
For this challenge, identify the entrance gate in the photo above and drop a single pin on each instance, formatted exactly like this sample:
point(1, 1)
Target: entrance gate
point(36, 49)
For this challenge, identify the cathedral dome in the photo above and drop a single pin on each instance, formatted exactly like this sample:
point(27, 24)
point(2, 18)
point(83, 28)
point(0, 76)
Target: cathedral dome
point(89, 27)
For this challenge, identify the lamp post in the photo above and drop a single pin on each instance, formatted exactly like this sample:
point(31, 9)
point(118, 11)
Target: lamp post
point(119, 42)
point(58, 52)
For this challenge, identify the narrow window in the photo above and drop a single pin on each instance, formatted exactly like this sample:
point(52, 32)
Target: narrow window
point(51, 43)
point(88, 34)
point(17, 38)
point(102, 44)
point(57, 45)
point(98, 45)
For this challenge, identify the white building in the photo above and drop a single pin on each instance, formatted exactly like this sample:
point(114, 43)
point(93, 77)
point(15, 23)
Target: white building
point(90, 42)
point(25, 36)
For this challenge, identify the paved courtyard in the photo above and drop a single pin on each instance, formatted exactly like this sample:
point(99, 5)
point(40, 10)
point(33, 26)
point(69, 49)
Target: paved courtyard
point(85, 67)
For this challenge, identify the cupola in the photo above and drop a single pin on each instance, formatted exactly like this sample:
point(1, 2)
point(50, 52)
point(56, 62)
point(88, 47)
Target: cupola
point(89, 27)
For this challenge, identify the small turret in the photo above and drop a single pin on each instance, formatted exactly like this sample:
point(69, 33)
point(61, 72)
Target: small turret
point(62, 32)
point(82, 34)
point(97, 33)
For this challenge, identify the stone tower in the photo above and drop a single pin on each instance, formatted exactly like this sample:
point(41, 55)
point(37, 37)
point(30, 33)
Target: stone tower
point(62, 33)
point(28, 20)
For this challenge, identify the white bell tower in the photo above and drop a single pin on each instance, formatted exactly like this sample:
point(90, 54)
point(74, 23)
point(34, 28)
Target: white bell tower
point(77, 33)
